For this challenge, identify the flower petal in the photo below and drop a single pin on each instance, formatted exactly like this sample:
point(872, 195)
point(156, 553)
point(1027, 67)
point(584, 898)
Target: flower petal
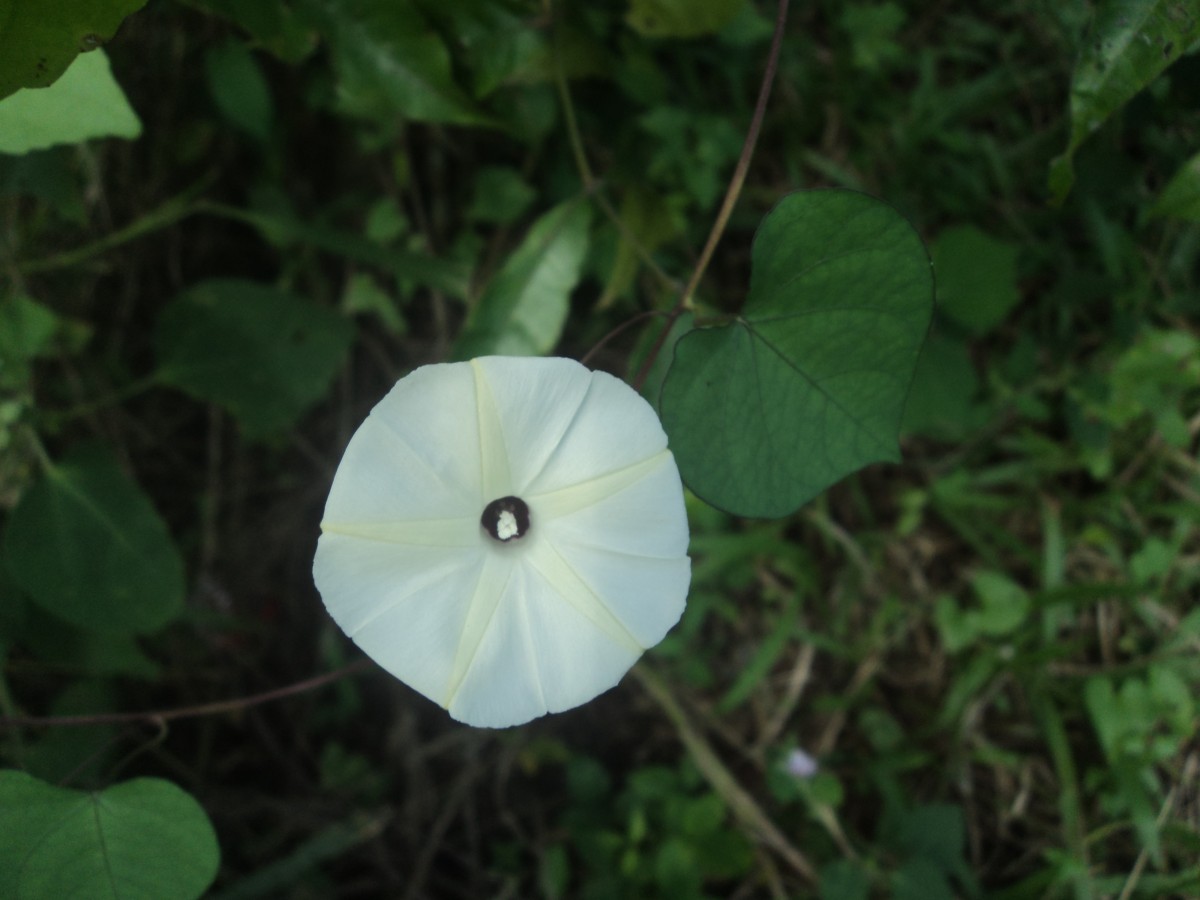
point(645, 518)
point(404, 606)
point(538, 655)
point(534, 405)
point(462, 532)
point(501, 685)
point(612, 429)
point(433, 411)
point(647, 595)
point(383, 479)
point(576, 660)
point(492, 452)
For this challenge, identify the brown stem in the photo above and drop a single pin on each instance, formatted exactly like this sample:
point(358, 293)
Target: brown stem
point(186, 712)
point(731, 194)
point(628, 323)
point(739, 801)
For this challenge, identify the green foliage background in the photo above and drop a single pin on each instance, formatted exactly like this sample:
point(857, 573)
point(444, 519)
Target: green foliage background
point(990, 649)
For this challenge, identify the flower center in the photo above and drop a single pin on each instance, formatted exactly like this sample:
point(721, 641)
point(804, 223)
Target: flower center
point(505, 519)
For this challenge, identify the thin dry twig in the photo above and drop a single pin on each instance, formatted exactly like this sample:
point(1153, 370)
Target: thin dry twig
point(797, 681)
point(159, 716)
point(743, 806)
point(1139, 866)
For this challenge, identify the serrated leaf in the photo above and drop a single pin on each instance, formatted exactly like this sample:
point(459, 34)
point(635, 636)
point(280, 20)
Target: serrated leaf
point(264, 355)
point(88, 546)
point(144, 839)
point(809, 383)
point(85, 103)
point(39, 40)
point(1132, 43)
point(525, 306)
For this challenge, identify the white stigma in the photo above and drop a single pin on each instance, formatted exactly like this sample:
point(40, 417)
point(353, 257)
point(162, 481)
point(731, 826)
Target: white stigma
point(506, 525)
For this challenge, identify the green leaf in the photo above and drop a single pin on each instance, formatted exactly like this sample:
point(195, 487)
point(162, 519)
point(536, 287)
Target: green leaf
point(264, 355)
point(976, 278)
point(39, 40)
point(681, 18)
point(755, 671)
point(498, 45)
point(920, 879)
point(809, 383)
point(935, 832)
point(390, 61)
point(1181, 197)
point(87, 546)
point(364, 295)
point(26, 331)
point(845, 879)
point(1132, 43)
point(85, 103)
point(1155, 376)
point(275, 27)
point(285, 229)
point(144, 839)
point(239, 88)
point(502, 195)
point(523, 310)
point(80, 753)
point(1004, 604)
point(942, 401)
point(285, 876)
point(872, 29)
point(67, 648)
point(646, 223)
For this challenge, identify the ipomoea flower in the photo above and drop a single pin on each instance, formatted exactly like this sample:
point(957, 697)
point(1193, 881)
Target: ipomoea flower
point(506, 536)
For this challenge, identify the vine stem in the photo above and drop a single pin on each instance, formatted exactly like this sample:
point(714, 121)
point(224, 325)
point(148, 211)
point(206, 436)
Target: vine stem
point(740, 802)
point(736, 181)
point(173, 210)
point(187, 712)
point(627, 324)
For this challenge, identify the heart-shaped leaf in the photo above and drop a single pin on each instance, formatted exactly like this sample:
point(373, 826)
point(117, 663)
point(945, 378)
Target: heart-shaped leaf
point(143, 839)
point(85, 103)
point(88, 546)
point(809, 383)
point(261, 353)
point(39, 40)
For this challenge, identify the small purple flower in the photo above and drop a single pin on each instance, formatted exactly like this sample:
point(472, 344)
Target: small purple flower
point(799, 764)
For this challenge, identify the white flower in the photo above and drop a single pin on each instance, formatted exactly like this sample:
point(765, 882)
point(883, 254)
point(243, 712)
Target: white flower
point(506, 536)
